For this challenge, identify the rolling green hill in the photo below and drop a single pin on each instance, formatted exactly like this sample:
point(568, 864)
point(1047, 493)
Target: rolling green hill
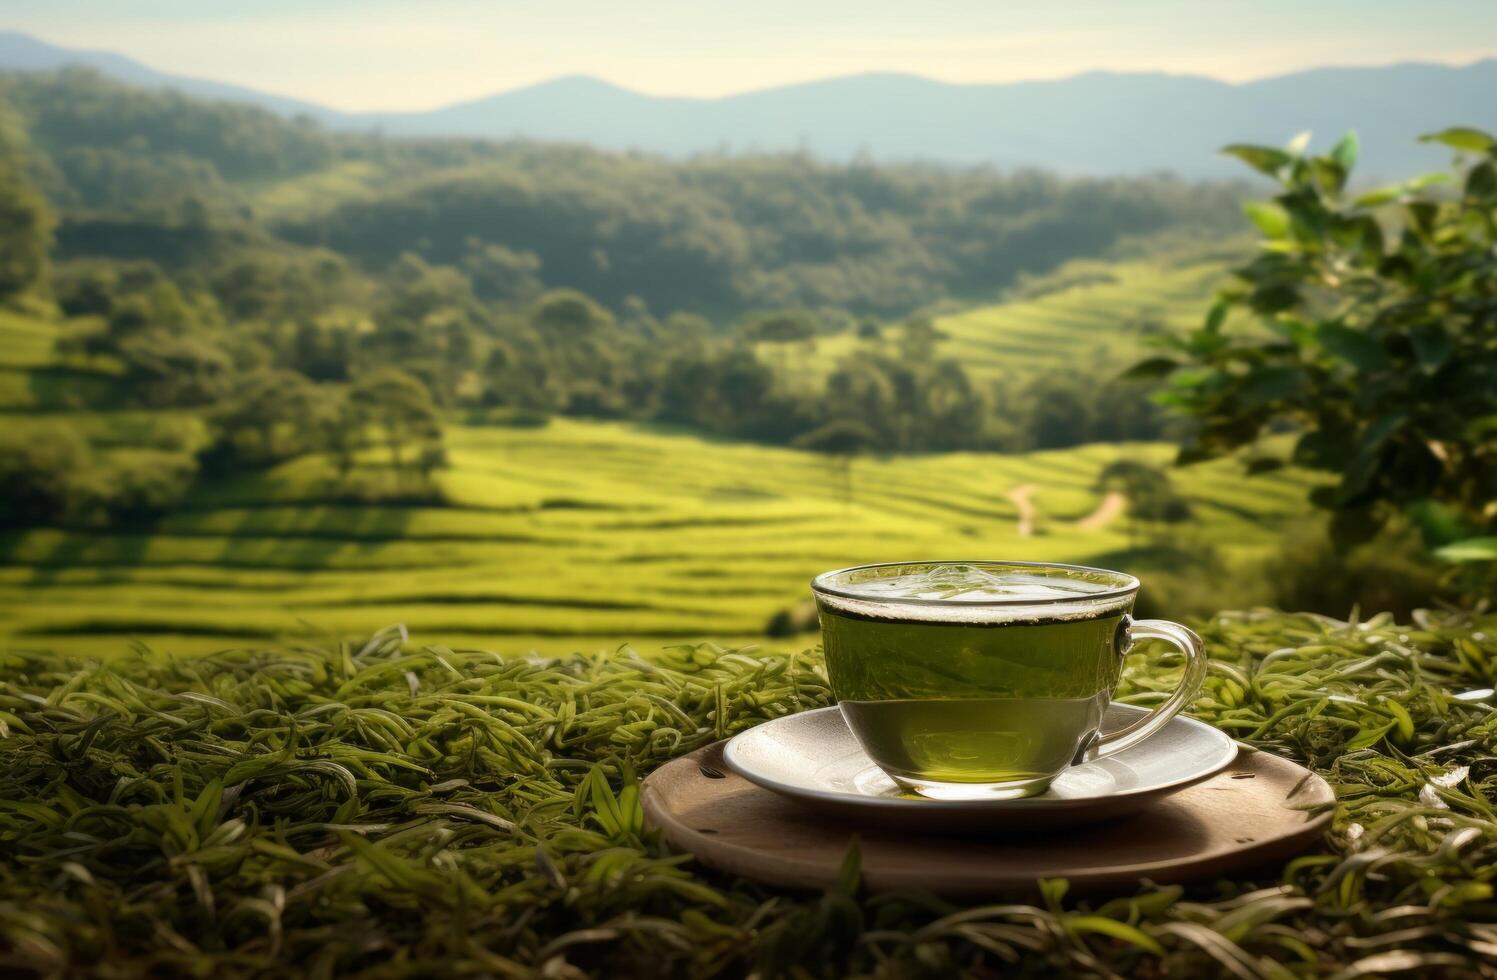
point(1095, 316)
point(35, 377)
point(579, 534)
point(1089, 315)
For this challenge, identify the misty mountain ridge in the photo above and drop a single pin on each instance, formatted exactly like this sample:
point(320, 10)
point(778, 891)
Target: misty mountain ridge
point(1096, 123)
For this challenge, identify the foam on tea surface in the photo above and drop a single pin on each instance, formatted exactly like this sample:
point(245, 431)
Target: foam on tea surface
point(974, 591)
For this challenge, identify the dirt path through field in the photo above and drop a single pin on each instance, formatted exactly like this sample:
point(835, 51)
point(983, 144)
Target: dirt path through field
point(1109, 510)
point(1020, 496)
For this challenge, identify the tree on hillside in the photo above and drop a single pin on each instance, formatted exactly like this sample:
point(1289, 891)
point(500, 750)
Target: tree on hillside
point(780, 327)
point(860, 391)
point(500, 273)
point(568, 315)
point(1151, 496)
point(321, 350)
point(949, 412)
point(167, 369)
point(841, 442)
point(1379, 344)
point(918, 339)
point(25, 220)
point(399, 411)
point(41, 471)
point(1056, 411)
point(268, 416)
point(779, 331)
point(54, 477)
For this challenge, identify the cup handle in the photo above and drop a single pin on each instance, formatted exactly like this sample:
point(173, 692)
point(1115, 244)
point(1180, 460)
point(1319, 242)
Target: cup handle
point(1190, 682)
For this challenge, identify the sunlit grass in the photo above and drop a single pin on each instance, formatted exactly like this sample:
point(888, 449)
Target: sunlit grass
point(581, 528)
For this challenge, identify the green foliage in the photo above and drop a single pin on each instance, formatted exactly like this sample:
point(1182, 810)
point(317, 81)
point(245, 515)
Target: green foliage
point(1472, 549)
point(568, 317)
point(398, 410)
point(25, 219)
point(722, 236)
point(1392, 571)
point(157, 174)
point(1378, 337)
point(52, 476)
point(844, 437)
point(1151, 495)
point(1058, 409)
point(500, 273)
point(376, 808)
point(445, 251)
point(166, 369)
point(270, 416)
point(95, 130)
point(780, 327)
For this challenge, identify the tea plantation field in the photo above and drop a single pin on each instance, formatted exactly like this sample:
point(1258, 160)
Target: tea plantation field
point(579, 534)
point(576, 533)
point(1091, 315)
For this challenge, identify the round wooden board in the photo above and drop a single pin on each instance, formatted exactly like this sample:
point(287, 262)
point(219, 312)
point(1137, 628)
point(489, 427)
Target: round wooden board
point(1249, 815)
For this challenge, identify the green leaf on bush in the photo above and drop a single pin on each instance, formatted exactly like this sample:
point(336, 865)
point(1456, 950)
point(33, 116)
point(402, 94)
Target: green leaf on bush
point(1264, 159)
point(1462, 138)
point(1383, 195)
point(1345, 151)
point(1471, 549)
point(1269, 384)
point(1332, 175)
point(1439, 523)
point(1217, 315)
point(1271, 219)
point(1431, 344)
point(1380, 430)
point(1481, 428)
point(1426, 180)
point(1394, 192)
point(1296, 329)
point(1422, 215)
point(1481, 181)
point(1352, 346)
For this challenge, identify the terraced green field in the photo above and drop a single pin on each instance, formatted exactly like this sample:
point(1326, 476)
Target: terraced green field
point(582, 534)
point(35, 377)
point(1096, 318)
point(574, 534)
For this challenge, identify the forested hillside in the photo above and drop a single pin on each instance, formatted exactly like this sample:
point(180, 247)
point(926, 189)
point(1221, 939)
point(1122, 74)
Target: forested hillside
point(201, 291)
point(148, 170)
point(203, 254)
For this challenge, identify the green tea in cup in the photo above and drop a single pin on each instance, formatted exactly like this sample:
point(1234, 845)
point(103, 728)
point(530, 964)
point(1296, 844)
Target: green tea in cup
point(986, 679)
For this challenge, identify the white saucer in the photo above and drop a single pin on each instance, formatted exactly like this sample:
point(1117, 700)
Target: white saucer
point(812, 757)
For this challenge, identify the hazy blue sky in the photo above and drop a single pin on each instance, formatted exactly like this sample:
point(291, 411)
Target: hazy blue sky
point(372, 54)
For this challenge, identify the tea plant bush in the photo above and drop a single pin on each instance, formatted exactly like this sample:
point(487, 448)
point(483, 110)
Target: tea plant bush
point(1374, 336)
point(389, 811)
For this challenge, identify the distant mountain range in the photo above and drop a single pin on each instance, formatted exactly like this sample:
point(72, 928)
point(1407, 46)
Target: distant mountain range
point(1098, 123)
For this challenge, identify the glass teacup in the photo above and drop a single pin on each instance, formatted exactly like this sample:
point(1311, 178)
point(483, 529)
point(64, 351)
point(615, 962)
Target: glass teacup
point(987, 679)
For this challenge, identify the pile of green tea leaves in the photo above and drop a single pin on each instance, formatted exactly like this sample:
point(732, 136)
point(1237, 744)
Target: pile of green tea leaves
point(391, 811)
